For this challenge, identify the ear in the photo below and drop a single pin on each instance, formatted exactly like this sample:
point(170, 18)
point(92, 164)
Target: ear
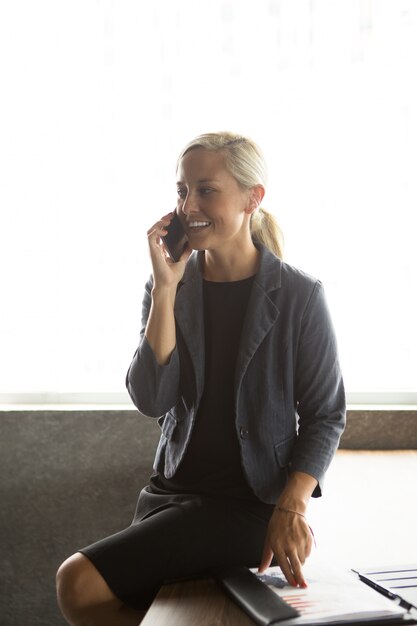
point(255, 197)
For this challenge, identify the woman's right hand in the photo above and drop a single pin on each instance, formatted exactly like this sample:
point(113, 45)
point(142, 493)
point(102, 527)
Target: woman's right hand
point(160, 329)
point(166, 273)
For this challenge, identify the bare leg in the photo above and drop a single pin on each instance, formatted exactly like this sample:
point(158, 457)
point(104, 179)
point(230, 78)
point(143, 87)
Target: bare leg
point(85, 599)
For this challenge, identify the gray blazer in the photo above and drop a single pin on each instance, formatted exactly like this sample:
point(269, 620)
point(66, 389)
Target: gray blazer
point(289, 394)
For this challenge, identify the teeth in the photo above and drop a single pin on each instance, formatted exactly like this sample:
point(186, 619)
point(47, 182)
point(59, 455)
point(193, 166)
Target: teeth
point(198, 224)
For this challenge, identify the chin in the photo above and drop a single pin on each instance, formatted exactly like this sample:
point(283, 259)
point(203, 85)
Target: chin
point(195, 244)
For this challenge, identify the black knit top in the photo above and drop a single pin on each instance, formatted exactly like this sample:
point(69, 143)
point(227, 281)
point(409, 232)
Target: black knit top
point(212, 463)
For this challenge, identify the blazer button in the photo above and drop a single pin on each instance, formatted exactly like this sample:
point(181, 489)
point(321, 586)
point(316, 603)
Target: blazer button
point(243, 433)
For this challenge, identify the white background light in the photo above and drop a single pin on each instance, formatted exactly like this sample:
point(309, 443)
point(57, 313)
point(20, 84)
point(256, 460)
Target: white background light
point(97, 100)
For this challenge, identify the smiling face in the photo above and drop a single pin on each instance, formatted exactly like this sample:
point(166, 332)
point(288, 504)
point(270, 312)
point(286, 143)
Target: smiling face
point(213, 207)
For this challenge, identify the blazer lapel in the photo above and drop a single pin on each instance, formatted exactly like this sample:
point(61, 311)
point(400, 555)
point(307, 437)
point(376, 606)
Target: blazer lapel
point(261, 314)
point(189, 316)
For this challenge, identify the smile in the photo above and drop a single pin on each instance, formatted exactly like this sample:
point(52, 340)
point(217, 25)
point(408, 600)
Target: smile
point(198, 224)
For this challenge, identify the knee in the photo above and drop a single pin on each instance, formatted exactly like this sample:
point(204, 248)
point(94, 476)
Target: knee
point(72, 583)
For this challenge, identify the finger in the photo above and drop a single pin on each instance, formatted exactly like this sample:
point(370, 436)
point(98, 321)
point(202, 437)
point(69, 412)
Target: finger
point(301, 553)
point(285, 568)
point(166, 219)
point(156, 245)
point(158, 229)
point(305, 547)
point(297, 569)
point(266, 559)
point(161, 224)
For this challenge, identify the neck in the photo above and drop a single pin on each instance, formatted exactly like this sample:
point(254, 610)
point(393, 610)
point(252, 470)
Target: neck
point(220, 266)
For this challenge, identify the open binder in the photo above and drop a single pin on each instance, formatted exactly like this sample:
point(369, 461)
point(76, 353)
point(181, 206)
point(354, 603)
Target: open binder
point(333, 597)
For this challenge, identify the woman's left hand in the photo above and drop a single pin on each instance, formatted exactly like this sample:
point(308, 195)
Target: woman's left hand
point(290, 540)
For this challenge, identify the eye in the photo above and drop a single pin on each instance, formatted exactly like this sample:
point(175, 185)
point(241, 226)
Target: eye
point(205, 190)
point(181, 192)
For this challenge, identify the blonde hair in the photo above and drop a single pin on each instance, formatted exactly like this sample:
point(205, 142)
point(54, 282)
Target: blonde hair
point(245, 162)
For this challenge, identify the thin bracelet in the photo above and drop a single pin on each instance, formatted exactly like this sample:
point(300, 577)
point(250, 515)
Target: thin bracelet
point(280, 508)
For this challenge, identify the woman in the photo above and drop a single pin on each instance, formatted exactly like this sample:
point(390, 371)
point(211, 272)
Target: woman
point(238, 356)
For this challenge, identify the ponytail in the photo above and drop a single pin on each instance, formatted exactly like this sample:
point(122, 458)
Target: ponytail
point(266, 230)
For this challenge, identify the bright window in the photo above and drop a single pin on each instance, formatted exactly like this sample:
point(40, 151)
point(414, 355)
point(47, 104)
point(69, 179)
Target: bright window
point(97, 100)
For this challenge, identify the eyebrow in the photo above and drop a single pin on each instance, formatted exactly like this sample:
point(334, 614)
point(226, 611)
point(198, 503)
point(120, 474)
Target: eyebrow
point(200, 180)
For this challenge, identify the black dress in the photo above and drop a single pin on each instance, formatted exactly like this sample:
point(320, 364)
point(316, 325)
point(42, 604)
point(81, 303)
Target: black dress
point(205, 516)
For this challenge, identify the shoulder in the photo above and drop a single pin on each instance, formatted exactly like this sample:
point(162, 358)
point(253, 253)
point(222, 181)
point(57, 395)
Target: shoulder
point(292, 275)
point(277, 274)
point(303, 289)
point(304, 294)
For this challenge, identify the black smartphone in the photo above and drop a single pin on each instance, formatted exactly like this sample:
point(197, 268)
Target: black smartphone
point(175, 240)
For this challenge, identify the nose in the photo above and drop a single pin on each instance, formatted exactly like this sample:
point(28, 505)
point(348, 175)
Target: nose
point(189, 205)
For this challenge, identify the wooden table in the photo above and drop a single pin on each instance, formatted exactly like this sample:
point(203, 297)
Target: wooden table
point(194, 603)
point(197, 603)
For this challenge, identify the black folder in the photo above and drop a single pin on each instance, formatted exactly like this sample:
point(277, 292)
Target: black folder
point(255, 598)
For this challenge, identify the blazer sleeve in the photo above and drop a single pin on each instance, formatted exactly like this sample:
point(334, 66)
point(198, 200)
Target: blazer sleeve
point(153, 388)
point(319, 390)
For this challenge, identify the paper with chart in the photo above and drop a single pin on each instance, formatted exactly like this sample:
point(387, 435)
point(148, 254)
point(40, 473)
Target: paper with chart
point(331, 596)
